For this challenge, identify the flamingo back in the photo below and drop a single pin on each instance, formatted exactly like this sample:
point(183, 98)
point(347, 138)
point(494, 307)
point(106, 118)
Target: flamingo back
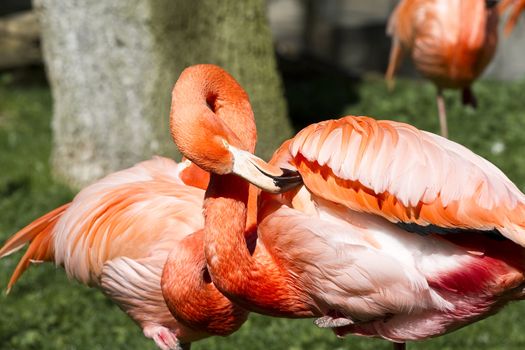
point(135, 213)
point(405, 175)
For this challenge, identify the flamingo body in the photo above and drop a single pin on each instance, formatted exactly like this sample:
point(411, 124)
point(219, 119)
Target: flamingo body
point(450, 41)
point(374, 279)
point(396, 233)
point(339, 232)
point(117, 235)
point(341, 247)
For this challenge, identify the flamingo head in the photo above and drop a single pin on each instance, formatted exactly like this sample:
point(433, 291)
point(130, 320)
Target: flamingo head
point(212, 123)
point(218, 150)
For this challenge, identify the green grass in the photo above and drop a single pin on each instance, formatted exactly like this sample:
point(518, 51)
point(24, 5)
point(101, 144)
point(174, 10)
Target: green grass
point(47, 311)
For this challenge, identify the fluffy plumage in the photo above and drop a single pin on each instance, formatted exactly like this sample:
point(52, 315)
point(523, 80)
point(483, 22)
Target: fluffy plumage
point(404, 174)
point(116, 235)
point(337, 233)
point(334, 247)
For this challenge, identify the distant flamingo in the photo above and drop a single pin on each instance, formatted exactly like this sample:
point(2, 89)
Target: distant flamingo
point(450, 42)
point(518, 6)
point(397, 233)
point(120, 232)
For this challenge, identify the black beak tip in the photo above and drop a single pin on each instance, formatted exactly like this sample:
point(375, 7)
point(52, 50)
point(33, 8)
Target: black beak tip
point(288, 180)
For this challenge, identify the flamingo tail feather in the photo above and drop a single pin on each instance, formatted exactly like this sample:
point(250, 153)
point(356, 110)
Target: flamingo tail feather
point(39, 234)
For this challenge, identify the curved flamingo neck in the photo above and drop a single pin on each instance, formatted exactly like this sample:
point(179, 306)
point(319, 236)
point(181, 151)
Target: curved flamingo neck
point(210, 111)
point(191, 296)
point(207, 97)
point(244, 271)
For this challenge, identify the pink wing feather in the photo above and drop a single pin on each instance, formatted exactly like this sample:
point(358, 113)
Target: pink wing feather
point(135, 213)
point(404, 174)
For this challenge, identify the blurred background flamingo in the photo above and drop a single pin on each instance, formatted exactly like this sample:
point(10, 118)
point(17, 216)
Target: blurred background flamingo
point(517, 7)
point(397, 233)
point(450, 42)
point(117, 235)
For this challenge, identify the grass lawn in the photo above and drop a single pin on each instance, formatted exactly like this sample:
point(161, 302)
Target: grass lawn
point(47, 311)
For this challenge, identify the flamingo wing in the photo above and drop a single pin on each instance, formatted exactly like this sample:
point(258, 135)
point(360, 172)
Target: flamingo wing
point(134, 284)
point(117, 233)
point(135, 213)
point(405, 175)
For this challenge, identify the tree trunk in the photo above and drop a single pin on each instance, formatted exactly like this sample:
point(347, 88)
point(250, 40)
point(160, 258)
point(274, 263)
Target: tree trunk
point(112, 65)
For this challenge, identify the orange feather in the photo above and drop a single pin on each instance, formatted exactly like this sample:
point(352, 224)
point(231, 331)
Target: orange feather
point(39, 236)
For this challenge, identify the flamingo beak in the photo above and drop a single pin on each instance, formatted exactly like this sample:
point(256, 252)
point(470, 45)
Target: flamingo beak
point(261, 174)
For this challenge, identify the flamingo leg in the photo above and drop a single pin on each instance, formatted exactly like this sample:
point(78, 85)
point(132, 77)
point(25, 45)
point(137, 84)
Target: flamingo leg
point(442, 113)
point(400, 346)
point(396, 56)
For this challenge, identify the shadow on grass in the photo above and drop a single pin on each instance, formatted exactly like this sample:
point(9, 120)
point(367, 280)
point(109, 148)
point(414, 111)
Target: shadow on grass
point(316, 91)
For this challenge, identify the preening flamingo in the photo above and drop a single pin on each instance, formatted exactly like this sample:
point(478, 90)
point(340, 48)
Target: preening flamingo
point(450, 42)
point(397, 233)
point(121, 232)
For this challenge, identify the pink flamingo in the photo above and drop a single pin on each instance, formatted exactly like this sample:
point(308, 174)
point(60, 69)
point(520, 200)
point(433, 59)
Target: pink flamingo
point(450, 42)
point(137, 235)
point(397, 233)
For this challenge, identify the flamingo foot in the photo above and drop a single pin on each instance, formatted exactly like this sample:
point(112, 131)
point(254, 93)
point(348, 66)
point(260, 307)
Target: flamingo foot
point(332, 322)
point(163, 337)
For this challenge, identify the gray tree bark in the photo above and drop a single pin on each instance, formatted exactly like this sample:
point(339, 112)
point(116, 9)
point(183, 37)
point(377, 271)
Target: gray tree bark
point(112, 64)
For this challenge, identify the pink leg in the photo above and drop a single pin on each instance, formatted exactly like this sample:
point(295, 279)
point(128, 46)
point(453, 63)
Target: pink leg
point(442, 113)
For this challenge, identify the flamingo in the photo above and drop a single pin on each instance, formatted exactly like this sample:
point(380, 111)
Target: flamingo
point(396, 233)
point(450, 42)
point(518, 6)
point(137, 235)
